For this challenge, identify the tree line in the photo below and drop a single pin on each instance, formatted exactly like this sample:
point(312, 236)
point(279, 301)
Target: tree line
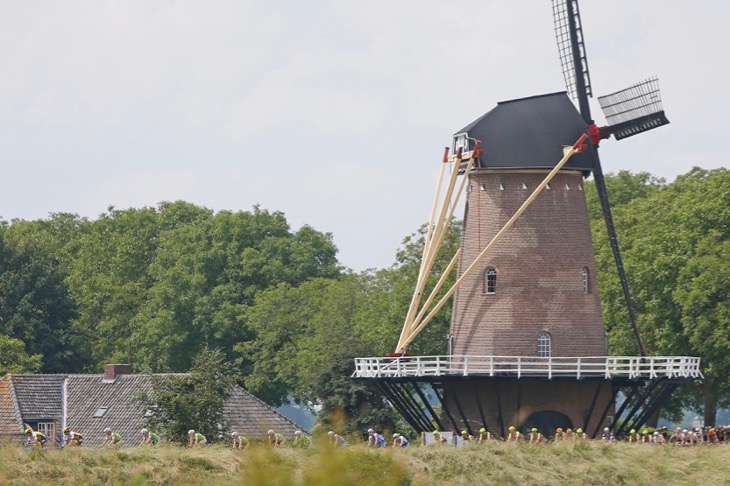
point(155, 286)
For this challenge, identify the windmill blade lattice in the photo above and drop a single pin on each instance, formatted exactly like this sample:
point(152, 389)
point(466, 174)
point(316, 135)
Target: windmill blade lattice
point(563, 19)
point(634, 110)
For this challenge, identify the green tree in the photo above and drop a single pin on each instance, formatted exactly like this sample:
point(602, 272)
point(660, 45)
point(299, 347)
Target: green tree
point(672, 238)
point(622, 188)
point(306, 337)
point(207, 274)
point(110, 276)
point(703, 295)
point(14, 359)
point(194, 400)
point(306, 340)
point(35, 303)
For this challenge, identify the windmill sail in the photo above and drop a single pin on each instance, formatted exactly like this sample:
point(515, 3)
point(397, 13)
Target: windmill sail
point(634, 110)
point(569, 35)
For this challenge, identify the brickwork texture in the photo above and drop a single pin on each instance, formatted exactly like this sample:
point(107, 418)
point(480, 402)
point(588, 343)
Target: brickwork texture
point(540, 264)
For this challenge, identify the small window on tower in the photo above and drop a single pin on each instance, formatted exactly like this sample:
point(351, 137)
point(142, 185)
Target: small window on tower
point(544, 344)
point(567, 186)
point(580, 187)
point(586, 281)
point(524, 185)
point(468, 188)
point(547, 186)
point(490, 280)
point(483, 186)
point(501, 186)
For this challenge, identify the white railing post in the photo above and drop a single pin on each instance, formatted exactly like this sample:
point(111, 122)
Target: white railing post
point(652, 368)
point(550, 368)
point(631, 368)
point(578, 368)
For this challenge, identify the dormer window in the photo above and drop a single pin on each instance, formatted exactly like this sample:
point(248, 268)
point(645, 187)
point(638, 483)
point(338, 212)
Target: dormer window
point(461, 141)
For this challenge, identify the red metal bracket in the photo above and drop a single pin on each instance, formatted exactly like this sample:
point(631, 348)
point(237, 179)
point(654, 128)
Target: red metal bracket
point(579, 145)
point(598, 133)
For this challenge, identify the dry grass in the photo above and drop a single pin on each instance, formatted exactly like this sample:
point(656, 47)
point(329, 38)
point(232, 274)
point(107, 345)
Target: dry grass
point(495, 463)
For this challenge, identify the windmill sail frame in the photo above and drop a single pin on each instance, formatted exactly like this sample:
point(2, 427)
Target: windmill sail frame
point(634, 110)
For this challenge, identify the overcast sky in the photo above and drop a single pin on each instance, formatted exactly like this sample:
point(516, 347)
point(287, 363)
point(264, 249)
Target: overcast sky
point(333, 112)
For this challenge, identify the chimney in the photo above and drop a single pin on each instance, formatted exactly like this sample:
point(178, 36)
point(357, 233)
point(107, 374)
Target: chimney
point(111, 371)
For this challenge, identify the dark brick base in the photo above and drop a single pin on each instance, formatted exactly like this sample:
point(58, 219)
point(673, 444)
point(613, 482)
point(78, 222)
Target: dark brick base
point(521, 398)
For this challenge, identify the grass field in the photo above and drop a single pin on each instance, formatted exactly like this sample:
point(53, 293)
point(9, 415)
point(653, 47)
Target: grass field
point(496, 463)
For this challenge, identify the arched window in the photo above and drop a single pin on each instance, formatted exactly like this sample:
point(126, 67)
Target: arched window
point(586, 281)
point(490, 280)
point(544, 344)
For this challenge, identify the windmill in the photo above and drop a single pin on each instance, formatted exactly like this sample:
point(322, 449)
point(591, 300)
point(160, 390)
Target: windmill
point(528, 346)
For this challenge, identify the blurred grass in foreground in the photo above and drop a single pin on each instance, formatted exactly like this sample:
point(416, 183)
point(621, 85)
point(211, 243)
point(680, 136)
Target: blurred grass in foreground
point(495, 463)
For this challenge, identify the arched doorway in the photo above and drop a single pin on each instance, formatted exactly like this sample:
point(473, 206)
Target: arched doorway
point(547, 422)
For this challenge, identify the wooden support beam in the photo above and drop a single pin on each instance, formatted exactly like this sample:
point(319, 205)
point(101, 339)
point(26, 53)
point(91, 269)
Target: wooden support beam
point(434, 238)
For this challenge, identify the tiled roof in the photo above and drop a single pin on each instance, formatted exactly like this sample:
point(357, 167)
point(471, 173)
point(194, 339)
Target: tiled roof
point(87, 394)
point(11, 423)
point(246, 414)
point(39, 396)
point(252, 418)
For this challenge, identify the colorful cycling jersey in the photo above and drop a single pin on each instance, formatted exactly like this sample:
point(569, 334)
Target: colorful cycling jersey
point(240, 441)
point(116, 438)
point(200, 438)
point(154, 438)
point(38, 437)
point(338, 440)
point(74, 436)
point(301, 441)
point(401, 441)
point(439, 439)
point(468, 439)
point(376, 440)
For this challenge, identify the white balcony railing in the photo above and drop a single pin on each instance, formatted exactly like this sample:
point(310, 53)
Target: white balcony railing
point(608, 367)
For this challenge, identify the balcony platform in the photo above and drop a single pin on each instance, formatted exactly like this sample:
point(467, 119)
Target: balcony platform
point(578, 368)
